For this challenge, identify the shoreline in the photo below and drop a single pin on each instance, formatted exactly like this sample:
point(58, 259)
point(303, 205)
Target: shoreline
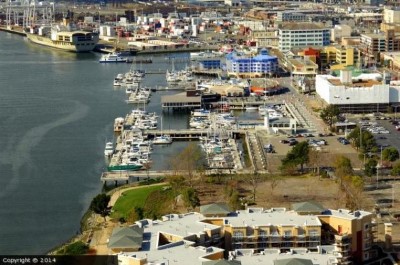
point(123, 45)
point(89, 220)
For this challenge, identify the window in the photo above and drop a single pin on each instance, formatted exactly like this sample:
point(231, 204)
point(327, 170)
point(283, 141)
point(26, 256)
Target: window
point(287, 233)
point(237, 234)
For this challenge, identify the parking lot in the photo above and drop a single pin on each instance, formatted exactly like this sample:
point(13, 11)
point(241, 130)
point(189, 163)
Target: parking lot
point(389, 139)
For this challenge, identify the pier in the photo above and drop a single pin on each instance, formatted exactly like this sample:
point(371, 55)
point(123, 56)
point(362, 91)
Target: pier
point(134, 176)
point(207, 72)
point(16, 30)
point(186, 134)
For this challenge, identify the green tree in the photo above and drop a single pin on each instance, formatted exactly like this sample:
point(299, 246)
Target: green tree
point(76, 248)
point(395, 169)
point(190, 198)
point(330, 114)
point(367, 142)
point(297, 156)
point(135, 214)
point(99, 204)
point(390, 154)
point(370, 167)
point(343, 167)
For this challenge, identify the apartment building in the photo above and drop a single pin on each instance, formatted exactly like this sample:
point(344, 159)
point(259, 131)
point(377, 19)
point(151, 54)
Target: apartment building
point(274, 236)
point(266, 38)
point(303, 71)
point(340, 31)
point(287, 16)
point(302, 35)
point(350, 232)
point(251, 66)
point(391, 14)
point(391, 60)
point(334, 57)
point(257, 229)
point(373, 44)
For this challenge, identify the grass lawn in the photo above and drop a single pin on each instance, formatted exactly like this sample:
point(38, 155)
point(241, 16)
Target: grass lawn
point(131, 198)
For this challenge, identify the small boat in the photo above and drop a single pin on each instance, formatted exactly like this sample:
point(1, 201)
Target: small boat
point(125, 167)
point(109, 150)
point(251, 108)
point(163, 139)
point(119, 124)
point(113, 58)
point(200, 113)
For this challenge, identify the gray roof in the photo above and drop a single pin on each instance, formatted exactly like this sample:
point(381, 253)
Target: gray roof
point(310, 206)
point(126, 237)
point(221, 262)
point(180, 98)
point(215, 208)
point(293, 261)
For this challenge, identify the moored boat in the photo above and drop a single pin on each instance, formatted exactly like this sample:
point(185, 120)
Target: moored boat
point(109, 149)
point(163, 139)
point(125, 167)
point(113, 58)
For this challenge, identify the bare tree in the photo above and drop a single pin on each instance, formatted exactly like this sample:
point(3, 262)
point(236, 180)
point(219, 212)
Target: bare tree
point(188, 162)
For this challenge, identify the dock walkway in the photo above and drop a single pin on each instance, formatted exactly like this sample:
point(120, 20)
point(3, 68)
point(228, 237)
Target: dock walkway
point(132, 176)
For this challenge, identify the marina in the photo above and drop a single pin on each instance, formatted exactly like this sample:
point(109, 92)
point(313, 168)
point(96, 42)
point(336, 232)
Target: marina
point(186, 99)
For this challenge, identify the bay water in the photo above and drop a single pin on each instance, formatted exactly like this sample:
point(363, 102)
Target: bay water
point(56, 112)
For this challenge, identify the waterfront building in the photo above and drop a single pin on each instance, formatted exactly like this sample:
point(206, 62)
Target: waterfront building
point(206, 60)
point(251, 66)
point(181, 101)
point(317, 236)
point(264, 86)
point(360, 94)
point(302, 35)
point(350, 232)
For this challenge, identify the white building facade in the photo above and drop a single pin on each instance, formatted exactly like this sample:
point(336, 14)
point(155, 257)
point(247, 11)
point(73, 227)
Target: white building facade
point(302, 35)
point(364, 93)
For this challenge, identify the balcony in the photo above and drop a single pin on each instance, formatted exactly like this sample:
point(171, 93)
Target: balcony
point(287, 238)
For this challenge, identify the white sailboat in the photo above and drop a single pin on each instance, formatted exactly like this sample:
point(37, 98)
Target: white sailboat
point(163, 139)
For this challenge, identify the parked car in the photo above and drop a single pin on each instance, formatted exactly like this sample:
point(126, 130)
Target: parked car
point(284, 141)
point(292, 142)
point(344, 141)
point(269, 148)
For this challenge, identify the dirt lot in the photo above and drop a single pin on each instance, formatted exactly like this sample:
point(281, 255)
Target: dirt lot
point(328, 153)
point(283, 191)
